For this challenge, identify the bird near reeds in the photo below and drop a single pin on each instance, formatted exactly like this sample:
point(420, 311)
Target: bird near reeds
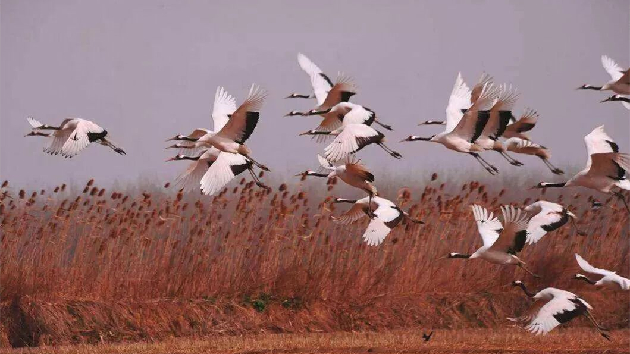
point(463, 129)
point(384, 215)
point(528, 147)
point(327, 93)
point(606, 168)
point(552, 308)
point(547, 217)
point(427, 337)
point(619, 83)
point(608, 278)
point(352, 172)
point(501, 240)
point(518, 128)
point(71, 136)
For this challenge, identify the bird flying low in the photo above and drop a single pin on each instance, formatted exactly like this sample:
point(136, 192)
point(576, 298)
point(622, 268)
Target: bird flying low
point(548, 217)
point(552, 308)
point(528, 147)
point(71, 136)
point(384, 214)
point(606, 168)
point(352, 172)
point(609, 278)
point(501, 241)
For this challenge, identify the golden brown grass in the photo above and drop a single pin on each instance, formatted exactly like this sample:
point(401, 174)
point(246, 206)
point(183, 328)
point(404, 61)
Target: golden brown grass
point(105, 245)
point(481, 341)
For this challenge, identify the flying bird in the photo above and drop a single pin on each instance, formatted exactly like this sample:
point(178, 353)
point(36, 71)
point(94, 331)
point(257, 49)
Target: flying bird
point(71, 136)
point(501, 241)
point(352, 172)
point(609, 278)
point(605, 169)
point(528, 147)
point(227, 166)
point(518, 128)
point(385, 216)
point(552, 308)
point(620, 82)
point(547, 217)
point(232, 136)
point(463, 129)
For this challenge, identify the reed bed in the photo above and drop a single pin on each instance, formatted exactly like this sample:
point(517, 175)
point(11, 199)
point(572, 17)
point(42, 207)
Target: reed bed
point(159, 243)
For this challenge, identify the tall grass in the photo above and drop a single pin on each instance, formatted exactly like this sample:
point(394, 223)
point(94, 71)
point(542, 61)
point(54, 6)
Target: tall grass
point(106, 245)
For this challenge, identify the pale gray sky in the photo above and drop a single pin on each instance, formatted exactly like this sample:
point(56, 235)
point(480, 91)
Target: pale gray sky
point(146, 70)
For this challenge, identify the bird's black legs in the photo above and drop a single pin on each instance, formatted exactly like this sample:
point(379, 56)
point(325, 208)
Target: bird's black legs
point(261, 166)
point(491, 169)
point(388, 127)
point(623, 199)
point(257, 180)
point(599, 328)
point(390, 151)
point(522, 266)
point(510, 159)
point(551, 167)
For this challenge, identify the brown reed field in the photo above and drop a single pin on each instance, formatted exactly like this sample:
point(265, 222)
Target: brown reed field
point(281, 245)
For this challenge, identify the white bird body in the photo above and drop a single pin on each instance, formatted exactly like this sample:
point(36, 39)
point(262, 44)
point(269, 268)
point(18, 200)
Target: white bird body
point(72, 136)
point(352, 173)
point(528, 147)
point(501, 241)
point(605, 169)
point(620, 79)
point(548, 217)
point(609, 278)
point(553, 307)
point(386, 216)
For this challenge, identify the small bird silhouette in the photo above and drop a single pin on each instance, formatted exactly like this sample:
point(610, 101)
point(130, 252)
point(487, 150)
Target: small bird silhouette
point(427, 337)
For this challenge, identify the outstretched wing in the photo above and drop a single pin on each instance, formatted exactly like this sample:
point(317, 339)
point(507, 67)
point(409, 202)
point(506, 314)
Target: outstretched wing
point(457, 102)
point(598, 141)
point(222, 171)
point(488, 226)
point(351, 139)
point(79, 139)
point(224, 105)
point(589, 268)
point(613, 69)
point(320, 82)
point(343, 89)
point(512, 237)
point(353, 214)
point(243, 121)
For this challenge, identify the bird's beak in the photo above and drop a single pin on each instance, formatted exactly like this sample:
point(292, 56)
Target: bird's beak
point(406, 139)
point(172, 147)
point(290, 114)
point(305, 133)
point(301, 174)
point(606, 100)
point(173, 138)
point(171, 159)
point(289, 96)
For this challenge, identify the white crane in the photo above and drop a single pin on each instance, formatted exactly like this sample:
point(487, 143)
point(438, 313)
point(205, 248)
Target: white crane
point(501, 241)
point(191, 177)
point(326, 93)
point(605, 169)
point(463, 129)
point(552, 308)
point(71, 136)
point(240, 126)
point(617, 98)
point(548, 217)
point(528, 147)
point(620, 82)
point(609, 278)
point(384, 215)
point(352, 172)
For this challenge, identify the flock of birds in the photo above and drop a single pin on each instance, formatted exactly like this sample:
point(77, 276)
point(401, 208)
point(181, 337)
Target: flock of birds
point(477, 120)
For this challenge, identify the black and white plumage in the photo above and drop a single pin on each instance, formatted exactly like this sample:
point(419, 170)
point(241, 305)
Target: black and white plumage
point(609, 278)
point(501, 241)
point(191, 177)
point(528, 147)
point(519, 128)
point(605, 169)
point(552, 308)
point(225, 167)
point(620, 79)
point(548, 217)
point(319, 80)
point(625, 101)
point(463, 129)
point(71, 136)
point(384, 213)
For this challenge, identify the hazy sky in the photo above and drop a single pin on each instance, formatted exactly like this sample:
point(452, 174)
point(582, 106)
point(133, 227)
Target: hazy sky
point(146, 70)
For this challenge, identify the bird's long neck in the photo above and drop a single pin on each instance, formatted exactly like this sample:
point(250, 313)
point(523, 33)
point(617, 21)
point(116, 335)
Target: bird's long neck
point(590, 87)
point(527, 292)
point(458, 255)
point(341, 200)
point(420, 138)
point(586, 279)
point(547, 185)
point(316, 174)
